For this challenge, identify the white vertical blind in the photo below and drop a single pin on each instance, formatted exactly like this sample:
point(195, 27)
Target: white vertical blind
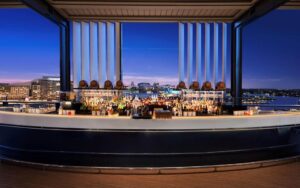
point(118, 50)
point(216, 54)
point(102, 76)
point(76, 54)
point(111, 52)
point(199, 52)
point(85, 51)
point(224, 52)
point(93, 52)
point(181, 52)
point(190, 50)
point(207, 52)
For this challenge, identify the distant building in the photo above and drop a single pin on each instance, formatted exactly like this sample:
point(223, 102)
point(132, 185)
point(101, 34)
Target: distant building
point(36, 89)
point(155, 85)
point(4, 90)
point(168, 86)
point(144, 87)
point(132, 86)
point(46, 88)
point(19, 92)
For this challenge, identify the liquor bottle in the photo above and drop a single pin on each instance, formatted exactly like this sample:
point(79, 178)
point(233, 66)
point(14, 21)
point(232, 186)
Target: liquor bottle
point(60, 110)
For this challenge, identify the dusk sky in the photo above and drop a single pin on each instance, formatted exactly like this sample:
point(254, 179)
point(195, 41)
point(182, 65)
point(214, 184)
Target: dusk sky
point(29, 48)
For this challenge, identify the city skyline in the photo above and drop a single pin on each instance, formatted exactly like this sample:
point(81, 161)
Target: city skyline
point(36, 50)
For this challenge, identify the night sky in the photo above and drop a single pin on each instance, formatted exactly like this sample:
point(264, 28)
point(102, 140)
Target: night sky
point(29, 48)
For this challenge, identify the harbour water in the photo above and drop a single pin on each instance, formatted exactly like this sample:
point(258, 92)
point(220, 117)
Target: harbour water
point(282, 103)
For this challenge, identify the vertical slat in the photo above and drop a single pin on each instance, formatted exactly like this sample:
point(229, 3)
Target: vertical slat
point(85, 52)
point(190, 54)
point(216, 54)
point(93, 51)
point(111, 52)
point(118, 50)
point(102, 76)
point(224, 51)
point(181, 52)
point(207, 52)
point(199, 52)
point(76, 54)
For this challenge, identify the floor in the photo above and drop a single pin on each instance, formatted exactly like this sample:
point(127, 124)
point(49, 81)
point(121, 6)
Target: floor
point(274, 177)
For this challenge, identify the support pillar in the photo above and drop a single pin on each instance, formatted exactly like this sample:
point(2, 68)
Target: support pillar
point(65, 68)
point(236, 65)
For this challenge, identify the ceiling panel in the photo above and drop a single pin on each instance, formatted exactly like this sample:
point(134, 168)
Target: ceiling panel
point(163, 10)
point(154, 10)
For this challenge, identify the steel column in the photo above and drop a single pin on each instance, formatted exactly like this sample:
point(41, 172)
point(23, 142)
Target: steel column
point(236, 65)
point(65, 67)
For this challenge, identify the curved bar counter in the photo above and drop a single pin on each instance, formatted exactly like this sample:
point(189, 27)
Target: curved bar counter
point(123, 142)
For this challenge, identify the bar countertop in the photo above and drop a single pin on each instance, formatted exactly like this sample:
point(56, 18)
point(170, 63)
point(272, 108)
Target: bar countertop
point(177, 123)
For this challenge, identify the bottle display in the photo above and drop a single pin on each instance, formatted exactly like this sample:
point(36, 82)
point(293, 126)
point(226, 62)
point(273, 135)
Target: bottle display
point(185, 103)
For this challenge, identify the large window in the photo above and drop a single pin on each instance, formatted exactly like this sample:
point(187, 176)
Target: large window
point(29, 46)
point(271, 51)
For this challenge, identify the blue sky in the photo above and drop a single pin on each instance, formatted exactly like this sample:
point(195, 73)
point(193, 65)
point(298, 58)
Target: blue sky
point(29, 48)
